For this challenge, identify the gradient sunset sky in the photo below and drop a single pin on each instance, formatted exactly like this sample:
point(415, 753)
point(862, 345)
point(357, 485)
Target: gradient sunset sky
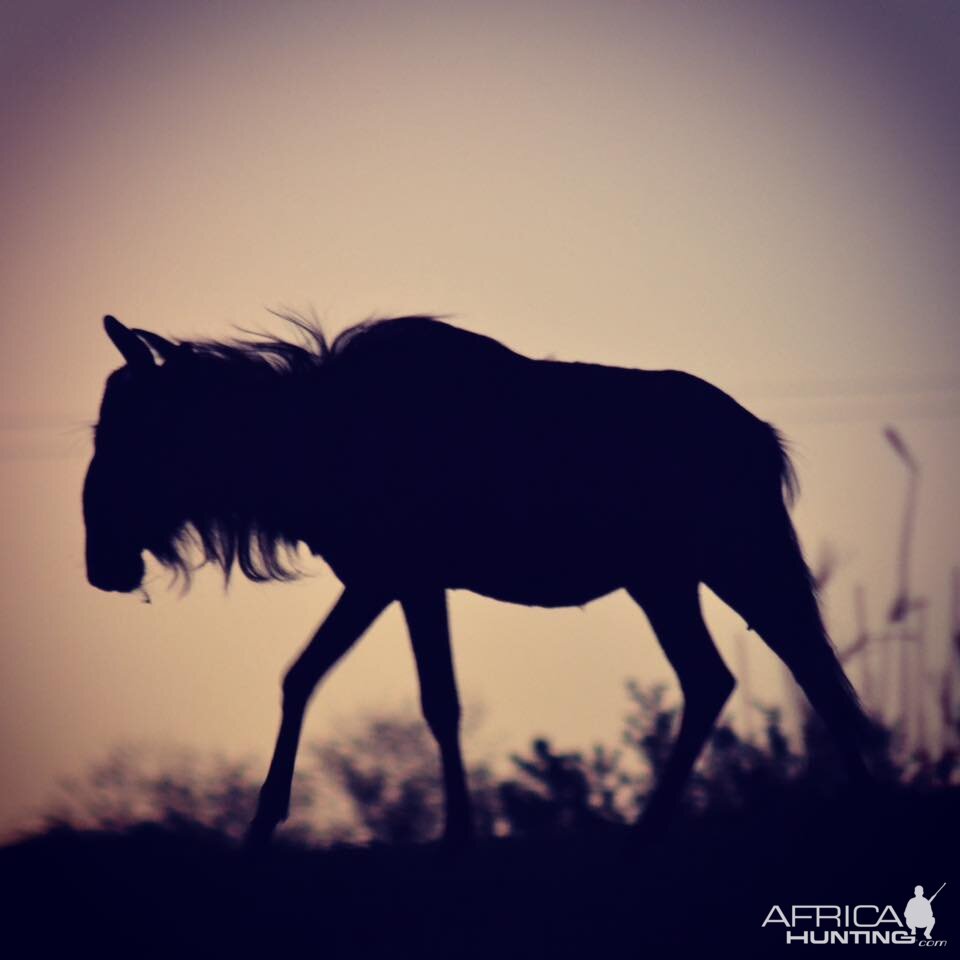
point(761, 192)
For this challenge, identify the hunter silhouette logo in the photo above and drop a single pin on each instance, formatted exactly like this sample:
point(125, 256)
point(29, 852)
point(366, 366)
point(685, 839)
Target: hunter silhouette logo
point(919, 913)
point(863, 923)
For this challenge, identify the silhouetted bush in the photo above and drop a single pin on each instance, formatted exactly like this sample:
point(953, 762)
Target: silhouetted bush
point(382, 783)
point(390, 776)
point(178, 789)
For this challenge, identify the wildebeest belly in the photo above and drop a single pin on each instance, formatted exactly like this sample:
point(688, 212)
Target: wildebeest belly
point(547, 554)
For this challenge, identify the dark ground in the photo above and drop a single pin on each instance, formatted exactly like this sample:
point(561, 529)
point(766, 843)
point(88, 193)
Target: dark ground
point(702, 888)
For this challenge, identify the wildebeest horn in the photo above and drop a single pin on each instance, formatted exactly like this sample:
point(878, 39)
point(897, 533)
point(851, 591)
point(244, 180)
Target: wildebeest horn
point(134, 350)
point(163, 347)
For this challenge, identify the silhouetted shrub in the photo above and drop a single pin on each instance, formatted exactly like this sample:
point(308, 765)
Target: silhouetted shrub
point(177, 788)
point(385, 780)
point(382, 783)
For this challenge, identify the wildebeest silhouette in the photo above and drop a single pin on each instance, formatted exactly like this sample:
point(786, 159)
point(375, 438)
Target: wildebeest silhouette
point(415, 457)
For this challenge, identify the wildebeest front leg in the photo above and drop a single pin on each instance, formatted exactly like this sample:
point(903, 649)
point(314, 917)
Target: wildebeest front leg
point(426, 615)
point(353, 612)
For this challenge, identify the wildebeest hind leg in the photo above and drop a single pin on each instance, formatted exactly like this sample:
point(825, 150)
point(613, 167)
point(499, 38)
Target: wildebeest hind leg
point(706, 683)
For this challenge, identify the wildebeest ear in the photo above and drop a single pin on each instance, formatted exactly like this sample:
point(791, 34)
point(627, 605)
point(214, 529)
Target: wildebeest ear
point(162, 347)
point(133, 349)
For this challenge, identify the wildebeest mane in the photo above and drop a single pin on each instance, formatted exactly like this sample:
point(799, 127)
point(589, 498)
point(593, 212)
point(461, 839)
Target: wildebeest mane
point(270, 354)
point(231, 528)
